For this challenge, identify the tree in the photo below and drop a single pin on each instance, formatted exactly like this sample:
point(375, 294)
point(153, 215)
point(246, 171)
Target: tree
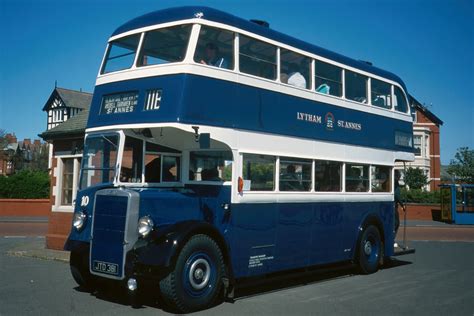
point(415, 178)
point(462, 166)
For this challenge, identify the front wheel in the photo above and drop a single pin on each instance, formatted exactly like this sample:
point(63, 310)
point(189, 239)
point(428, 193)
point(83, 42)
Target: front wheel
point(370, 250)
point(79, 265)
point(196, 280)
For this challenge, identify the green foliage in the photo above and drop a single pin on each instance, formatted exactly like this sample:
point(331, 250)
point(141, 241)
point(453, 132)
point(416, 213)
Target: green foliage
point(415, 178)
point(462, 166)
point(420, 196)
point(25, 184)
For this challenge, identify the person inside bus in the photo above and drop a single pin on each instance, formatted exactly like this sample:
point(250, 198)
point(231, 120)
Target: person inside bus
point(289, 181)
point(213, 58)
point(295, 78)
point(398, 201)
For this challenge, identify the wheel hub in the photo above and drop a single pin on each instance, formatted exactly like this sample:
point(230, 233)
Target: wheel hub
point(368, 247)
point(199, 274)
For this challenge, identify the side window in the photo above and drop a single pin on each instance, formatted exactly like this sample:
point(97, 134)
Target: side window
point(121, 54)
point(381, 94)
point(295, 175)
point(357, 178)
point(381, 178)
point(400, 101)
point(328, 79)
point(356, 86)
point(327, 176)
point(259, 171)
point(131, 170)
point(257, 58)
point(294, 69)
point(171, 169)
point(164, 45)
point(215, 47)
point(210, 166)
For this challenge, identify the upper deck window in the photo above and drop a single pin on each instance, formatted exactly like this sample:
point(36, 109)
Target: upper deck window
point(166, 45)
point(215, 47)
point(294, 69)
point(356, 86)
point(121, 54)
point(257, 58)
point(381, 94)
point(328, 79)
point(400, 101)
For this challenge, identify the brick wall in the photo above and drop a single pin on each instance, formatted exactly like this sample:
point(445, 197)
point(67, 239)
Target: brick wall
point(58, 229)
point(25, 207)
point(424, 212)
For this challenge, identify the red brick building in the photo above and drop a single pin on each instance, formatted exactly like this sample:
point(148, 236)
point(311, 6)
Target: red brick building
point(67, 111)
point(426, 142)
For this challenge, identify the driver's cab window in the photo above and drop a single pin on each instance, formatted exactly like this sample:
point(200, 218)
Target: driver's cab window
point(210, 166)
point(161, 167)
point(132, 159)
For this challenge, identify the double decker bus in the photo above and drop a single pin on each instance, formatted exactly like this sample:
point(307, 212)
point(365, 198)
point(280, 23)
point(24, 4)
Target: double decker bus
point(218, 149)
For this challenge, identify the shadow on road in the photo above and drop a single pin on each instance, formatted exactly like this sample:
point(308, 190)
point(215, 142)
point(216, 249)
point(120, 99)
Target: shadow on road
point(149, 296)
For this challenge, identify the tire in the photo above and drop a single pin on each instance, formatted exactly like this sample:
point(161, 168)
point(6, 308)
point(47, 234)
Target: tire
point(370, 250)
point(79, 265)
point(196, 280)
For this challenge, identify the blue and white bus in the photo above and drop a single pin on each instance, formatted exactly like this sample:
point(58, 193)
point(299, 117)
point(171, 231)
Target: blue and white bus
point(218, 149)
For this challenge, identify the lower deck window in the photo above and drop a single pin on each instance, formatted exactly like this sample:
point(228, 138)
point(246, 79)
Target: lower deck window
point(131, 170)
point(295, 175)
point(327, 176)
point(259, 171)
point(381, 178)
point(210, 166)
point(357, 178)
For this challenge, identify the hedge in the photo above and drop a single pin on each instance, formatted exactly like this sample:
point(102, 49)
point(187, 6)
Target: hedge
point(25, 184)
point(420, 196)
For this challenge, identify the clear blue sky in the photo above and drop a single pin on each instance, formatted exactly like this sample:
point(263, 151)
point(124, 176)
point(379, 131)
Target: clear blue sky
point(428, 43)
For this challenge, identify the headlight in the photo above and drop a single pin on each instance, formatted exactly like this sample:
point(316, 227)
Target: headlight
point(79, 219)
point(145, 225)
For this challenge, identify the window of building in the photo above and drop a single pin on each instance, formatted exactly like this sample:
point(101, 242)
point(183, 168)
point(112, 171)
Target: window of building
point(294, 69)
point(67, 181)
point(417, 144)
point(295, 174)
point(426, 151)
point(259, 171)
point(327, 176)
point(357, 178)
point(131, 170)
point(210, 166)
point(328, 78)
point(381, 179)
point(355, 86)
point(121, 53)
point(166, 45)
point(399, 100)
point(257, 58)
point(215, 47)
point(381, 94)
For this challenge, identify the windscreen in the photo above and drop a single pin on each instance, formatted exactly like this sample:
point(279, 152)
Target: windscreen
point(99, 160)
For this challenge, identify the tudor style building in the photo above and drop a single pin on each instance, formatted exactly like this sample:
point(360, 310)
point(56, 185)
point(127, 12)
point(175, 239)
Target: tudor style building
point(426, 143)
point(67, 111)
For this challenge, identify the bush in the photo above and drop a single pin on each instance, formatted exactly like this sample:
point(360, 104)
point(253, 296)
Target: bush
point(420, 196)
point(25, 184)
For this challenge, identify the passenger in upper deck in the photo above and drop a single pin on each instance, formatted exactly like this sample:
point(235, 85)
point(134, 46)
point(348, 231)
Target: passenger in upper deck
point(212, 57)
point(295, 77)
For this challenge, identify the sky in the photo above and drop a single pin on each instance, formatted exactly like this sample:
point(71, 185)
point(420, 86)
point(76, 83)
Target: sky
point(428, 43)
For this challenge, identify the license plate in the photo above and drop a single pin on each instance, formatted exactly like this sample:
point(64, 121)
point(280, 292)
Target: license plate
point(105, 267)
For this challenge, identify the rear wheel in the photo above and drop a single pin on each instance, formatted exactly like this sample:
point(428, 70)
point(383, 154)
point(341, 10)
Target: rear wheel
point(79, 265)
point(370, 250)
point(196, 280)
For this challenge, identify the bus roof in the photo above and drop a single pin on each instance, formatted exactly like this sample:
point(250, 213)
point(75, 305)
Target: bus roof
point(189, 12)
